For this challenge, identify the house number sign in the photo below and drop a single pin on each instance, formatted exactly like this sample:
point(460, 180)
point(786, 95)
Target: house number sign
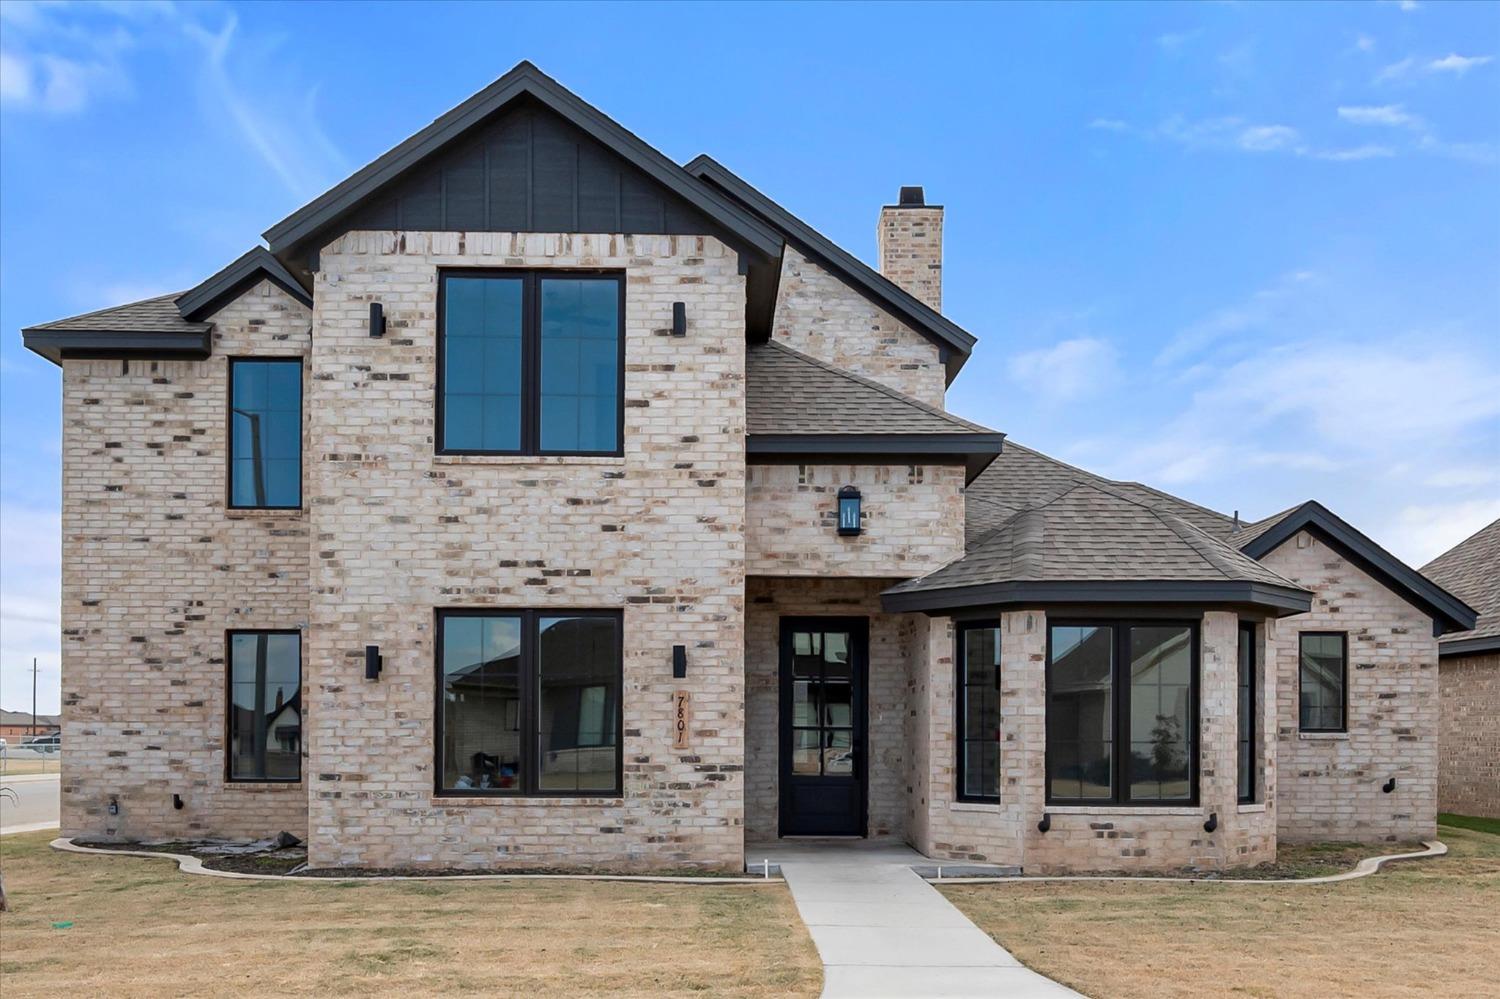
point(682, 718)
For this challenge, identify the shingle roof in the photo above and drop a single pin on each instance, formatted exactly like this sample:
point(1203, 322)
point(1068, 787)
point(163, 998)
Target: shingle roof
point(1022, 478)
point(1091, 534)
point(790, 393)
point(151, 315)
point(1471, 571)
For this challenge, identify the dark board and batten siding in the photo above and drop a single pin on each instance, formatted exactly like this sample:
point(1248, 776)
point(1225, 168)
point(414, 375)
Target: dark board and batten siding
point(527, 171)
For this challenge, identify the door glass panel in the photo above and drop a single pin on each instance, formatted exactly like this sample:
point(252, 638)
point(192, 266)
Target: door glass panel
point(838, 754)
point(805, 751)
point(822, 708)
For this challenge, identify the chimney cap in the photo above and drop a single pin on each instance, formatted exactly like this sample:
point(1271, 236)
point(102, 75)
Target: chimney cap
point(913, 197)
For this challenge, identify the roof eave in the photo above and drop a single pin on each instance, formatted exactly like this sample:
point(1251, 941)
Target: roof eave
point(59, 345)
point(1449, 613)
point(253, 266)
point(975, 451)
point(524, 79)
point(1469, 646)
point(1280, 600)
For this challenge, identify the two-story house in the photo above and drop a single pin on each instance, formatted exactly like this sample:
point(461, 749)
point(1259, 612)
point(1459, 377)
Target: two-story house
point(532, 500)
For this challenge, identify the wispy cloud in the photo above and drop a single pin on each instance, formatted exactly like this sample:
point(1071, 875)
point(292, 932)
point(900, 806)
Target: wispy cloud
point(1412, 66)
point(1068, 370)
point(1109, 125)
point(1232, 320)
point(1173, 41)
point(1393, 115)
point(1455, 63)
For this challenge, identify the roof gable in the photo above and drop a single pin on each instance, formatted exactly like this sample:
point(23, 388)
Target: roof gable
point(252, 267)
point(404, 186)
point(1448, 612)
point(955, 342)
point(1471, 569)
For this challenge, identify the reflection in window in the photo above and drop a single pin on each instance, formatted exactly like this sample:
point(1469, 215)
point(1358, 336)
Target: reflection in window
point(265, 706)
point(1138, 679)
point(560, 738)
point(1323, 671)
point(265, 433)
point(979, 713)
point(530, 363)
point(822, 704)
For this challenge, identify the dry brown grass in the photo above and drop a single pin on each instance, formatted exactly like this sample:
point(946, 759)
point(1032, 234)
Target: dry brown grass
point(1425, 928)
point(140, 928)
point(13, 768)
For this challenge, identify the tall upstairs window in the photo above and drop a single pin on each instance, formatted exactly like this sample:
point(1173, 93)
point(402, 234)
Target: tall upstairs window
point(530, 362)
point(265, 433)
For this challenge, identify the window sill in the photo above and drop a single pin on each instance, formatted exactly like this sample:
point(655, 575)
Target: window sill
point(261, 785)
point(529, 460)
point(1255, 809)
point(974, 806)
point(518, 801)
point(256, 512)
point(1323, 736)
point(1124, 810)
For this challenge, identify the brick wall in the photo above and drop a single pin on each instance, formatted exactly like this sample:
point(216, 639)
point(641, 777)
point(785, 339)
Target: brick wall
point(820, 315)
point(1329, 784)
point(1469, 736)
point(912, 517)
point(888, 748)
point(155, 569)
point(400, 531)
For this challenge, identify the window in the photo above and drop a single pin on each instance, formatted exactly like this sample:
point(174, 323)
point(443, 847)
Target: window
point(530, 362)
point(265, 706)
point(1246, 714)
point(265, 433)
point(978, 688)
point(1122, 713)
point(1322, 673)
point(528, 702)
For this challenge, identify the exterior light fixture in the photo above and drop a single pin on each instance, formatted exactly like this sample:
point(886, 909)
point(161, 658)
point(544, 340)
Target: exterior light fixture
point(377, 319)
point(679, 662)
point(373, 662)
point(679, 319)
point(848, 512)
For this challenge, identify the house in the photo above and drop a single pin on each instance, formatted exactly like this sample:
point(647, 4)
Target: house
point(18, 725)
point(1469, 679)
point(594, 510)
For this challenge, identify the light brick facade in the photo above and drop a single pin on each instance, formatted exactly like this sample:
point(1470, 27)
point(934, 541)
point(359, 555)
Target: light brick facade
point(909, 239)
point(1469, 735)
point(1330, 783)
point(155, 569)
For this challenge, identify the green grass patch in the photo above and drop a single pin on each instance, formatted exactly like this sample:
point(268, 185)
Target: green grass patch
point(1474, 822)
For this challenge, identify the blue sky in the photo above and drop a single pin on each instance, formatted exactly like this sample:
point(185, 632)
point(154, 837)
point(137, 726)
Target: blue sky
point(1249, 253)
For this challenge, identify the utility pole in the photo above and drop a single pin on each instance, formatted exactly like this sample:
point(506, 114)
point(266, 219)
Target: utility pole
point(33, 697)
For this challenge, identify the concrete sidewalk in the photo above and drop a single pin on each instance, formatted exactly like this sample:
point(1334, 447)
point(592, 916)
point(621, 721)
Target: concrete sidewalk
point(881, 931)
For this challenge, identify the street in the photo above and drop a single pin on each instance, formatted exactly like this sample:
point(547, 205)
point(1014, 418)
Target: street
point(37, 806)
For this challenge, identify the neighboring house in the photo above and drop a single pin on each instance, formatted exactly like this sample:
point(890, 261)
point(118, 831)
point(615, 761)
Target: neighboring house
point(1469, 679)
point(18, 725)
point(594, 510)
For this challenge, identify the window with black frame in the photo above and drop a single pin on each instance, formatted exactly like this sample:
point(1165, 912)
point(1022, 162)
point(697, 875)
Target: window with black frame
point(1323, 672)
point(530, 362)
point(978, 688)
point(265, 706)
point(529, 702)
point(265, 433)
point(1121, 713)
point(1245, 698)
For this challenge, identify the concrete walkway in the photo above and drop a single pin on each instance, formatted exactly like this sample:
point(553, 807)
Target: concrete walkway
point(884, 932)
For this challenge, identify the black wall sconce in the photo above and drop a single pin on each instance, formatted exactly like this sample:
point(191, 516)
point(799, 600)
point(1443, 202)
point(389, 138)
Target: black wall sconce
point(1045, 824)
point(1212, 823)
point(679, 319)
point(114, 805)
point(679, 662)
point(373, 662)
point(377, 319)
point(848, 512)
point(177, 802)
point(1389, 786)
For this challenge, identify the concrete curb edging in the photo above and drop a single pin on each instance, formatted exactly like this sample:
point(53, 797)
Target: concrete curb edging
point(1366, 867)
point(192, 865)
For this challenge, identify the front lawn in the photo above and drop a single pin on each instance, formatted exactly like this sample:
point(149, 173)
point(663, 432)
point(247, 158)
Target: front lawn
point(1424, 927)
point(140, 928)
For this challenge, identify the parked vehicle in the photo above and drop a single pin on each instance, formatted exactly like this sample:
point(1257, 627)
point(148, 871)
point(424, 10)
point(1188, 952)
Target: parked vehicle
point(43, 743)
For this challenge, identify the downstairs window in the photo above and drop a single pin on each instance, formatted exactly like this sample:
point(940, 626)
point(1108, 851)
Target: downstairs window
point(265, 706)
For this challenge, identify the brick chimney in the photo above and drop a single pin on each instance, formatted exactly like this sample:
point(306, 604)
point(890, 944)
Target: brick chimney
point(911, 246)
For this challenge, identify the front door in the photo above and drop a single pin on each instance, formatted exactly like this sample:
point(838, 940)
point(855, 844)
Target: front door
point(823, 673)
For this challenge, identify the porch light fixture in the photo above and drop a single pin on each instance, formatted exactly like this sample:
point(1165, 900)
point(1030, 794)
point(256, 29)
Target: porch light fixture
point(679, 662)
point(679, 319)
point(848, 512)
point(377, 319)
point(373, 662)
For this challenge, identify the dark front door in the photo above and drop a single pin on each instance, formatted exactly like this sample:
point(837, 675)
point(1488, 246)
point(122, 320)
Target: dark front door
point(823, 668)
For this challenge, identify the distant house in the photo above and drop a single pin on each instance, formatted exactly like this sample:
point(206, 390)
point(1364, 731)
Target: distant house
point(533, 500)
point(17, 725)
point(1469, 679)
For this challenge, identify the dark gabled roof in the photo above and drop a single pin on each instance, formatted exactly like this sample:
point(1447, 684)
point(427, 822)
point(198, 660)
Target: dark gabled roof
point(1449, 613)
point(1022, 477)
point(152, 326)
point(798, 405)
point(256, 265)
point(525, 80)
point(1471, 570)
point(1091, 545)
point(955, 342)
